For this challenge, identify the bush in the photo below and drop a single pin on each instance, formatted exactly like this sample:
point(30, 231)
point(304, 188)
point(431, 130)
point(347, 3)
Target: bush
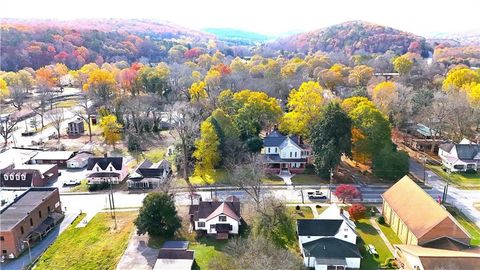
point(101, 186)
point(318, 206)
point(381, 220)
point(297, 207)
point(471, 171)
point(309, 169)
point(357, 211)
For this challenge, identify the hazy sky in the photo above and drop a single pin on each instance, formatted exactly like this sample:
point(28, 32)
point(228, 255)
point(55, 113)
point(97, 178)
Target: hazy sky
point(271, 17)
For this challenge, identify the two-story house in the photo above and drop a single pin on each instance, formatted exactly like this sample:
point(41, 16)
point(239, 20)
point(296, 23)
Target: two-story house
point(217, 218)
point(329, 242)
point(106, 169)
point(284, 153)
point(460, 157)
point(149, 175)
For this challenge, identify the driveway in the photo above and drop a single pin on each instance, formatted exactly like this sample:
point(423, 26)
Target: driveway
point(138, 255)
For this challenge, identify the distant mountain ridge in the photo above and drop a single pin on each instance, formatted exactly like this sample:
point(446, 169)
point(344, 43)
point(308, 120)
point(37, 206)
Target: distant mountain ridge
point(350, 37)
point(465, 38)
point(238, 35)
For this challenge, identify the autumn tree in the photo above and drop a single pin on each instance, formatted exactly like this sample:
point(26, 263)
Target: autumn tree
point(305, 106)
point(346, 193)
point(330, 138)
point(206, 153)
point(402, 64)
point(101, 84)
point(360, 75)
point(459, 76)
point(111, 129)
point(357, 211)
point(384, 95)
point(198, 91)
point(155, 79)
point(56, 118)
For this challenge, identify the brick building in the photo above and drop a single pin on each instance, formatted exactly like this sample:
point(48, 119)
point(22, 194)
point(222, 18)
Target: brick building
point(28, 218)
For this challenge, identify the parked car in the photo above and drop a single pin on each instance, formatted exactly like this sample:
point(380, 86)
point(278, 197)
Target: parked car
point(71, 182)
point(317, 197)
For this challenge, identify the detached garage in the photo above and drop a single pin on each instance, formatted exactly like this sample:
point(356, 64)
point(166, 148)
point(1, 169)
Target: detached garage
point(79, 161)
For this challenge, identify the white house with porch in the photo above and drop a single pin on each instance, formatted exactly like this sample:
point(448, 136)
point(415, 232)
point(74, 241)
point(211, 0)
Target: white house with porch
point(216, 218)
point(106, 169)
point(329, 242)
point(460, 157)
point(284, 153)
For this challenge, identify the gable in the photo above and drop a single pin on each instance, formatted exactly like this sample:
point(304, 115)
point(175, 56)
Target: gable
point(318, 227)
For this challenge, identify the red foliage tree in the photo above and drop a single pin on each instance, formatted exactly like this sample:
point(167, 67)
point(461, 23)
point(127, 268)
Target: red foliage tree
point(347, 192)
point(192, 53)
point(357, 211)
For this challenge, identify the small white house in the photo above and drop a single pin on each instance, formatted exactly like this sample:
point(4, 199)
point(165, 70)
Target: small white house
point(217, 218)
point(329, 242)
point(460, 157)
point(79, 161)
point(149, 175)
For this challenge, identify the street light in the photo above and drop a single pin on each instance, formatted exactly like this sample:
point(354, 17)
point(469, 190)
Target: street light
point(29, 251)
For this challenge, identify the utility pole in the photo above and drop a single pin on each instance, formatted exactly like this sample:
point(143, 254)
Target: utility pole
point(445, 190)
point(112, 204)
point(330, 186)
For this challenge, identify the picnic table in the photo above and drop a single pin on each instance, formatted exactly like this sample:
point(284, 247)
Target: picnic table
point(371, 249)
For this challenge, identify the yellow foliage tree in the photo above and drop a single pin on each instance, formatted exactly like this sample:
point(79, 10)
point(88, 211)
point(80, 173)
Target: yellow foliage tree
point(473, 94)
point(383, 95)
point(360, 75)
point(111, 129)
point(4, 92)
point(197, 91)
point(402, 64)
point(101, 83)
point(458, 77)
point(305, 105)
point(352, 103)
point(206, 151)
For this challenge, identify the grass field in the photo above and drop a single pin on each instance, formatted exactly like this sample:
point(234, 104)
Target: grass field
point(273, 179)
point(305, 212)
point(369, 235)
point(461, 179)
point(467, 224)
point(390, 234)
point(96, 246)
point(308, 179)
point(206, 249)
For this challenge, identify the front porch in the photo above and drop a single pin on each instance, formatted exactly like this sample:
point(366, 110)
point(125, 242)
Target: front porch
point(291, 167)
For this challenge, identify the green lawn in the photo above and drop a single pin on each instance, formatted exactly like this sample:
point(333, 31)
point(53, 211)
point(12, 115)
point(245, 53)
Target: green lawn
point(206, 249)
point(218, 175)
point(308, 179)
point(273, 179)
point(155, 155)
point(83, 187)
point(369, 235)
point(461, 179)
point(96, 246)
point(305, 212)
point(390, 234)
point(467, 224)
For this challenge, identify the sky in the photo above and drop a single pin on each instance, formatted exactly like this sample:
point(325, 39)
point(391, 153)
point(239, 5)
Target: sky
point(422, 17)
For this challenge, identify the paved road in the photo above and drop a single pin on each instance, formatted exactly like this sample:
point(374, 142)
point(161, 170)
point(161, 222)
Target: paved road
point(462, 199)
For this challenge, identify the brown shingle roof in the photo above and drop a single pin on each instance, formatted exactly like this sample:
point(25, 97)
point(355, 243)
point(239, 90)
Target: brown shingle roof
point(225, 210)
point(418, 210)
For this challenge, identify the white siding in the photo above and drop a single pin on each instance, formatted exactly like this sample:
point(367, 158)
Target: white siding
point(235, 225)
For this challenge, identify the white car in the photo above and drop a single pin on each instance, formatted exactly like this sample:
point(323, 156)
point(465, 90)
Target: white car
point(71, 182)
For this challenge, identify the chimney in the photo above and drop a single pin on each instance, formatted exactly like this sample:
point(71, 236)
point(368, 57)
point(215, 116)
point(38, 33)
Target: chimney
point(341, 211)
point(105, 155)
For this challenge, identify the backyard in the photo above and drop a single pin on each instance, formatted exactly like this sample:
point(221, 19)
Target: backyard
point(461, 179)
point(369, 235)
point(96, 246)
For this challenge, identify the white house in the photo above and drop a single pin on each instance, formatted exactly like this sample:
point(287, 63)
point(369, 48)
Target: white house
point(284, 153)
point(79, 161)
point(460, 157)
point(217, 218)
point(106, 169)
point(329, 242)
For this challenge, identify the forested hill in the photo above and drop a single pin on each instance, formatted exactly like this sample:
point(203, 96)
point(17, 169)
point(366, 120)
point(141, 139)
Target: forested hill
point(354, 37)
point(238, 36)
point(35, 43)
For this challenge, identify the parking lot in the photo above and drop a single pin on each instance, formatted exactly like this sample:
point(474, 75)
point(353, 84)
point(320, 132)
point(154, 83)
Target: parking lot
point(68, 174)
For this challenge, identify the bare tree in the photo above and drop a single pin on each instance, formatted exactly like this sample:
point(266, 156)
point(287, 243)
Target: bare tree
point(434, 116)
point(18, 97)
point(460, 120)
point(7, 126)
point(56, 117)
point(86, 113)
point(248, 176)
point(44, 101)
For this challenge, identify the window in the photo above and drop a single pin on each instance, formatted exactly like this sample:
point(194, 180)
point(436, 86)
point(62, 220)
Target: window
point(31, 222)
point(212, 226)
point(98, 169)
point(268, 150)
point(23, 177)
point(345, 236)
point(276, 150)
point(4, 251)
point(40, 214)
point(11, 176)
point(290, 154)
point(295, 154)
point(17, 177)
point(111, 169)
point(222, 218)
point(5, 177)
point(21, 230)
point(201, 224)
point(2, 238)
point(48, 208)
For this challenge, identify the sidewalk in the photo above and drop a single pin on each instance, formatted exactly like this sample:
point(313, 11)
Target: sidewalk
point(382, 235)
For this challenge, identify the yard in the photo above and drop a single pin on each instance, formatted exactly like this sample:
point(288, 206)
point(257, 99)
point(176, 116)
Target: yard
point(369, 235)
point(83, 187)
point(467, 224)
point(390, 234)
point(216, 176)
point(305, 212)
point(206, 249)
point(96, 246)
point(308, 179)
point(461, 179)
point(273, 179)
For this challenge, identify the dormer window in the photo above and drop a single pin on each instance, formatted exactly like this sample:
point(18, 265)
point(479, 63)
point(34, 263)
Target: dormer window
point(222, 218)
point(98, 169)
point(17, 177)
point(5, 177)
point(111, 169)
point(23, 177)
point(12, 176)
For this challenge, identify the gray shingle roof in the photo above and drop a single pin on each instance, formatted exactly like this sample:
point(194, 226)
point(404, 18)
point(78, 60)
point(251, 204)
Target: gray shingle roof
point(117, 162)
point(331, 247)
point(275, 138)
point(467, 151)
point(318, 227)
